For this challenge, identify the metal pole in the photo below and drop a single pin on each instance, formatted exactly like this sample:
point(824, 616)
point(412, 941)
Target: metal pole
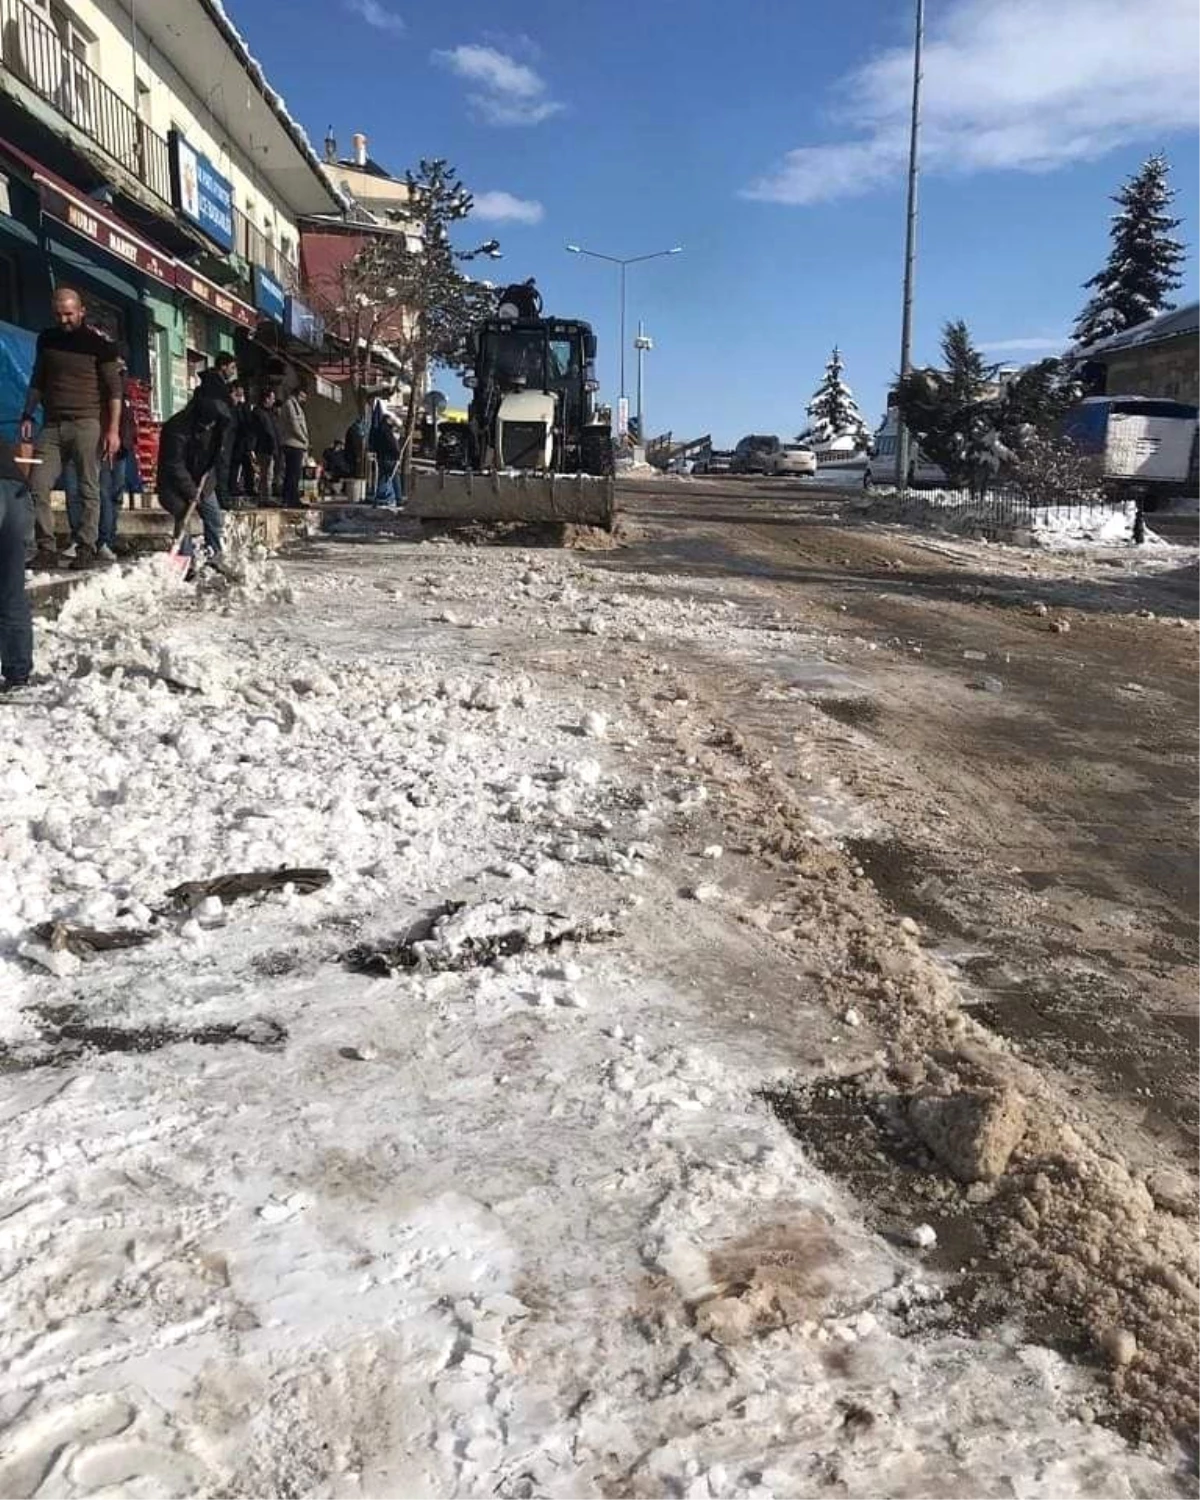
point(641, 354)
point(622, 330)
point(910, 243)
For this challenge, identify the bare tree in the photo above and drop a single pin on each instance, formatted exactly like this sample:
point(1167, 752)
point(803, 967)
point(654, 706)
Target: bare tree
point(406, 292)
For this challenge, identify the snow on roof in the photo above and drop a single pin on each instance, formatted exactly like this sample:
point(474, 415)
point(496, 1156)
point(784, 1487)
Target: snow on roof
point(1182, 322)
point(237, 43)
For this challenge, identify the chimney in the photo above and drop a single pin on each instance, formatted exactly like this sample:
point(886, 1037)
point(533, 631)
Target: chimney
point(330, 146)
point(360, 148)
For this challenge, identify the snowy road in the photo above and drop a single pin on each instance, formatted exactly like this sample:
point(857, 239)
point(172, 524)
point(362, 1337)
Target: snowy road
point(531, 1217)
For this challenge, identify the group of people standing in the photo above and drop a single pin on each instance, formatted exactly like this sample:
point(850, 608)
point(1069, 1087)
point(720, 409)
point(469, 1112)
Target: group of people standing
point(216, 450)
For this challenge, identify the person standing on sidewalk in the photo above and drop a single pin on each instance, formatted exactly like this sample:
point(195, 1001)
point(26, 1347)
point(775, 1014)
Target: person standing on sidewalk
point(241, 462)
point(293, 434)
point(16, 617)
point(77, 383)
point(264, 436)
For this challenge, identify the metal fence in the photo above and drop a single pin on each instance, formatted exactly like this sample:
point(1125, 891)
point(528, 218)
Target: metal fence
point(991, 512)
point(32, 50)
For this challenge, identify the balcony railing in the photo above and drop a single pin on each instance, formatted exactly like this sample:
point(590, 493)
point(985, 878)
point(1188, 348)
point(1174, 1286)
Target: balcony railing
point(32, 50)
point(252, 244)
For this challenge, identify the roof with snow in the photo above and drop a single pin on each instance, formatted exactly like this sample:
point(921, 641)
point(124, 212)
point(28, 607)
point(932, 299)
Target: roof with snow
point(1183, 322)
point(304, 188)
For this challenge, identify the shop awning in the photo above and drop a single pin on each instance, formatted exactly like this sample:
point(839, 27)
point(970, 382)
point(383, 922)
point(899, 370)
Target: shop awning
point(88, 219)
point(215, 297)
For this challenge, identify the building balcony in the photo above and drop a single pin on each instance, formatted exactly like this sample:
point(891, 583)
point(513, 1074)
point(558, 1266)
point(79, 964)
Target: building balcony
point(253, 246)
point(34, 54)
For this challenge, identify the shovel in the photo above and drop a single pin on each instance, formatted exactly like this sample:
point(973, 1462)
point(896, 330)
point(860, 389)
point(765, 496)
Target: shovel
point(178, 561)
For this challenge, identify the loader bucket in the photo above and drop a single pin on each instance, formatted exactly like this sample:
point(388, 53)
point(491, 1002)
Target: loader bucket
point(567, 499)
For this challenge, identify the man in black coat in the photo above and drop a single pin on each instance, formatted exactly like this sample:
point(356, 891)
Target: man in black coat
point(241, 463)
point(264, 438)
point(189, 446)
point(216, 386)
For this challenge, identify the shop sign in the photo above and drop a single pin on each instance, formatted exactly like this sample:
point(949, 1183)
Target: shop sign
point(211, 295)
point(300, 322)
point(327, 389)
point(201, 194)
point(269, 296)
point(110, 236)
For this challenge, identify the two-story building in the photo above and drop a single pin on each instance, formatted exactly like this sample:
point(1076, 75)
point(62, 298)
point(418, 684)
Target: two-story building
point(145, 159)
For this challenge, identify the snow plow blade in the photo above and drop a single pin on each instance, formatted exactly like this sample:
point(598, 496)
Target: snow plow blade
point(567, 499)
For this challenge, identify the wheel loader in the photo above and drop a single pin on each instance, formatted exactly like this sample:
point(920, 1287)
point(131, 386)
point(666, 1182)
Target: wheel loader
point(533, 447)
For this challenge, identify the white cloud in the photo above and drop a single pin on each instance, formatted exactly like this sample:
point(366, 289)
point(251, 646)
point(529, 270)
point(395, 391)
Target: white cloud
point(507, 92)
point(506, 208)
point(1039, 344)
point(376, 15)
point(1021, 85)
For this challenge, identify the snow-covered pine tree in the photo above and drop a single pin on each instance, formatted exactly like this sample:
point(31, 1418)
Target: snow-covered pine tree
point(833, 412)
point(1143, 265)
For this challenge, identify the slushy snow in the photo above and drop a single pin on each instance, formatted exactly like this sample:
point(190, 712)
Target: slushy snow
point(507, 1228)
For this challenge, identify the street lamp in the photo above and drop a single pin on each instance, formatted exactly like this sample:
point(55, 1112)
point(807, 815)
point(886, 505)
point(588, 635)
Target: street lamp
point(623, 262)
point(642, 343)
point(910, 243)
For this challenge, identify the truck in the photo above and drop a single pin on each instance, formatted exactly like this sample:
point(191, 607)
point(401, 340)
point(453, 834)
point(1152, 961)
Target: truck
point(1147, 447)
point(534, 446)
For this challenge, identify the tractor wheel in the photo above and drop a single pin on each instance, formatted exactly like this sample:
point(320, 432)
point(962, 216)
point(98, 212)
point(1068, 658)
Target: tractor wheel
point(596, 454)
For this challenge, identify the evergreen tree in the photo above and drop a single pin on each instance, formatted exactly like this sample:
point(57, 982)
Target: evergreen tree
point(1143, 264)
point(966, 374)
point(833, 411)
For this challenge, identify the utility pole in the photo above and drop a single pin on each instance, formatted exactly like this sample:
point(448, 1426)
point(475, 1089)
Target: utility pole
point(910, 243)
point(642, 343)
point(623, 262)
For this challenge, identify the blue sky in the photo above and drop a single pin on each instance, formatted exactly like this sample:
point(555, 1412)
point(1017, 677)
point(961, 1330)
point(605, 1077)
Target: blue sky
point(768, 140)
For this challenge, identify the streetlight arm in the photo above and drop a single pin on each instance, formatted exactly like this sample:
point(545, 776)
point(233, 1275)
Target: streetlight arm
point(624, 260)
point(656, 255)
point(595, 254)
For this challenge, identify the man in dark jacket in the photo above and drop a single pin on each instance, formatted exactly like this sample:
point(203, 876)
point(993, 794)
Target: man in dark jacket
point(264, 437)
point(241, 462)
point(216, 386)
point(77, 384)
point(16, 619)
point(189, 445)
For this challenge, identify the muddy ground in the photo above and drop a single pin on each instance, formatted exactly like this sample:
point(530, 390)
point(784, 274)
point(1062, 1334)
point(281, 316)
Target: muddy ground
point(1039, 781)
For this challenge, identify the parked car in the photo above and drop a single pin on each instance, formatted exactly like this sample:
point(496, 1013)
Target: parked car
point(757, 454)
point(796, 459)
point(719, 461)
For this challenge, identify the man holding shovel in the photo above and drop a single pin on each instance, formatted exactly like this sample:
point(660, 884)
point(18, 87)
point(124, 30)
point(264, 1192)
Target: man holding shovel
point(189, 446)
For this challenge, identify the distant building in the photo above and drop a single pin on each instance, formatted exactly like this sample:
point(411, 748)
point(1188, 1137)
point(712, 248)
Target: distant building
point(378, 204)
point(1156, 358)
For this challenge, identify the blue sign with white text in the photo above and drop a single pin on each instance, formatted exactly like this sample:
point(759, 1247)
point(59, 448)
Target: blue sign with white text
point(202, 195)
point(269, 296)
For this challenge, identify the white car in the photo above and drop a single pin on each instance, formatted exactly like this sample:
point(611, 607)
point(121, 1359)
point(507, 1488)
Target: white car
point(795, 459)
